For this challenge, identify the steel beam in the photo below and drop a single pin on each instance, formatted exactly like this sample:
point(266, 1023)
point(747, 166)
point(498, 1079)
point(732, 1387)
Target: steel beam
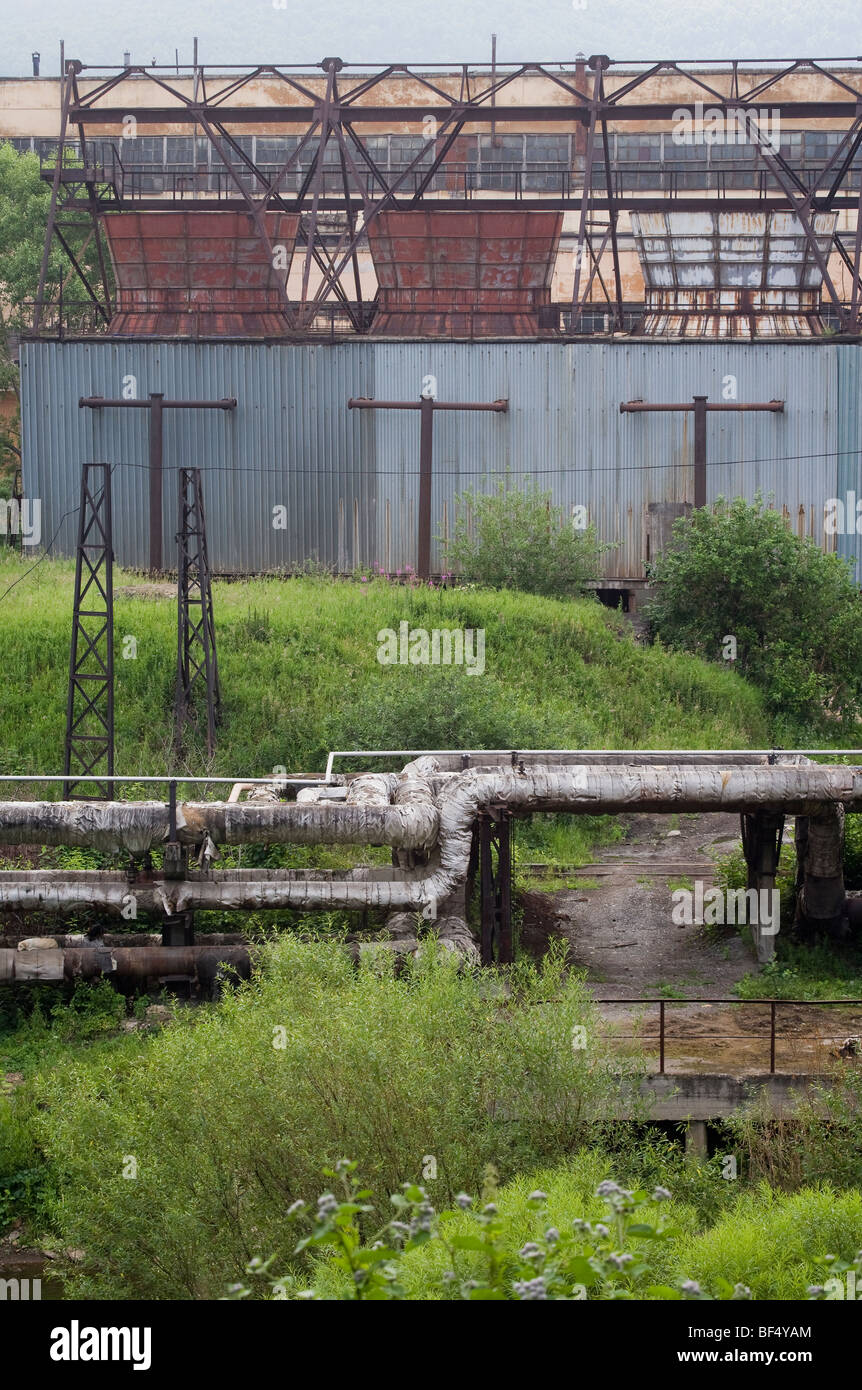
point(156, 405)
point(700, 406)
point(197, 665)
point(89, 744)
point(495, 886)
point(353, 106)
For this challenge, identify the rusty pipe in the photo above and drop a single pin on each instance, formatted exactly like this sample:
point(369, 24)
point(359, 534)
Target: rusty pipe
point(123, 963)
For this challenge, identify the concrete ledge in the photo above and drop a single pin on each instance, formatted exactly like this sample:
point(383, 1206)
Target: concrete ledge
point(712, 1096)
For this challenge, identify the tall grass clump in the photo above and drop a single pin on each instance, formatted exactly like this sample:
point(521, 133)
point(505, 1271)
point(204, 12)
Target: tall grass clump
point(773, 1242)
point(231, 1118)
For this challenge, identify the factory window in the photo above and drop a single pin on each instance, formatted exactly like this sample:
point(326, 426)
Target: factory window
point(547, 149)
point(179, 151)
point(144, 149)
point(269, 151)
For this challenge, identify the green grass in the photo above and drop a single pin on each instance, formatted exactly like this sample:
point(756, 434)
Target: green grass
point(772, 1242)
point(299, 673)
point(819, 971)
point(571, 1192)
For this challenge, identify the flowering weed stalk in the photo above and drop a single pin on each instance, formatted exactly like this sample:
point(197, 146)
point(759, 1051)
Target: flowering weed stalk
point(588, 1260)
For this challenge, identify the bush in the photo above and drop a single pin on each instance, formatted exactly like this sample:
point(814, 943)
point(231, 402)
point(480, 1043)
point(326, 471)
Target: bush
point(773, 1242)
point(853, 851)
point(444, 707)
point(437, 1064)
point(819, 1142)
point(736, 570)
point(519, 540)
point(93, 1009)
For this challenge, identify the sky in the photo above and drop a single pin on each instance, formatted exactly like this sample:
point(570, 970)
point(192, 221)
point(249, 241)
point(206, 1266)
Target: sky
point(290, 32)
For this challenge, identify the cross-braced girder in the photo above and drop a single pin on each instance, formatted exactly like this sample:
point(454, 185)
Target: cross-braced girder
point(89, 745)
point(335, 113)
point(197, 665)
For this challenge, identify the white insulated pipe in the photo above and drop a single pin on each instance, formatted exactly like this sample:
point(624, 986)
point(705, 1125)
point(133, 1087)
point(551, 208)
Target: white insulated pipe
point(399, 810)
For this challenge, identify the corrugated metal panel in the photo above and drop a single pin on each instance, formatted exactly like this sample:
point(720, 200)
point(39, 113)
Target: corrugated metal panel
point(197, 274)
point(849, 472)
point(349, 479)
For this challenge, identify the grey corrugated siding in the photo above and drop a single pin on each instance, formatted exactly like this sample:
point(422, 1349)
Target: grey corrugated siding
point(849, 469)
point(349, 480)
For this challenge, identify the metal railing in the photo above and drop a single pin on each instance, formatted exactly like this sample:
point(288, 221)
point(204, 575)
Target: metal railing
point(772, 1004)
point(81, 318)
point(66, 318)
point(521, 177)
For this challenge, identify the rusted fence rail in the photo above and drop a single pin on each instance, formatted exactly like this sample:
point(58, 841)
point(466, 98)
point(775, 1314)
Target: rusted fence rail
point(773, 1005)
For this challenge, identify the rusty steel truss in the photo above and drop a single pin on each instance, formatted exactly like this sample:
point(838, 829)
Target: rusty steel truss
point(197, 665)
point(89, 745)
point(331, 107)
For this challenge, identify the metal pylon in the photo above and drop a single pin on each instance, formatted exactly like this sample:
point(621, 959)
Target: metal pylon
point(196, 649)
point(89, 748)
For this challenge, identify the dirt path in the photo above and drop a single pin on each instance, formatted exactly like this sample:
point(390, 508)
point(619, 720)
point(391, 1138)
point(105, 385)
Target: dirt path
point(621, 932)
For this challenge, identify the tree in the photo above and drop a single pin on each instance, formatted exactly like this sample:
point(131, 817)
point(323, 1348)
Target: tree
point(519, 540)
point(736, 584)
point(24, 203)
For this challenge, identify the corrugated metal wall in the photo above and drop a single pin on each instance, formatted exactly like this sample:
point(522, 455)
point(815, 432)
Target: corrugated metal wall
point(849, 461)
point(349, 479)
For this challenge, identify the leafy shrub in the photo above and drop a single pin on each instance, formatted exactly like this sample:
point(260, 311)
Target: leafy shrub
point(93, 1009)
point(735, 569)
point(443, 707)
point(436, 1063)
point(853, 851)
point(71, 1013)
point(519, 540)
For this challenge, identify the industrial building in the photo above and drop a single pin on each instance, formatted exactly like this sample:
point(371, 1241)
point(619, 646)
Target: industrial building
point(567, 239)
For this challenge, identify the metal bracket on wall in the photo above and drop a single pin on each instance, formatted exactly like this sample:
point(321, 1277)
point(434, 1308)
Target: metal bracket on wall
point(89, 746)
point(196, 646)
point(428, 407)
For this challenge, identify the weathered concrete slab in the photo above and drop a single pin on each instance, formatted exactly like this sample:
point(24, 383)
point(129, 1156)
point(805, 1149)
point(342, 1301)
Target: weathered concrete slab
point(711, 1095)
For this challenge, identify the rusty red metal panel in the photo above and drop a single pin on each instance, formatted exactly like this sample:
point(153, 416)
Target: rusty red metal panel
point(204, 274)
point(447, 274)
